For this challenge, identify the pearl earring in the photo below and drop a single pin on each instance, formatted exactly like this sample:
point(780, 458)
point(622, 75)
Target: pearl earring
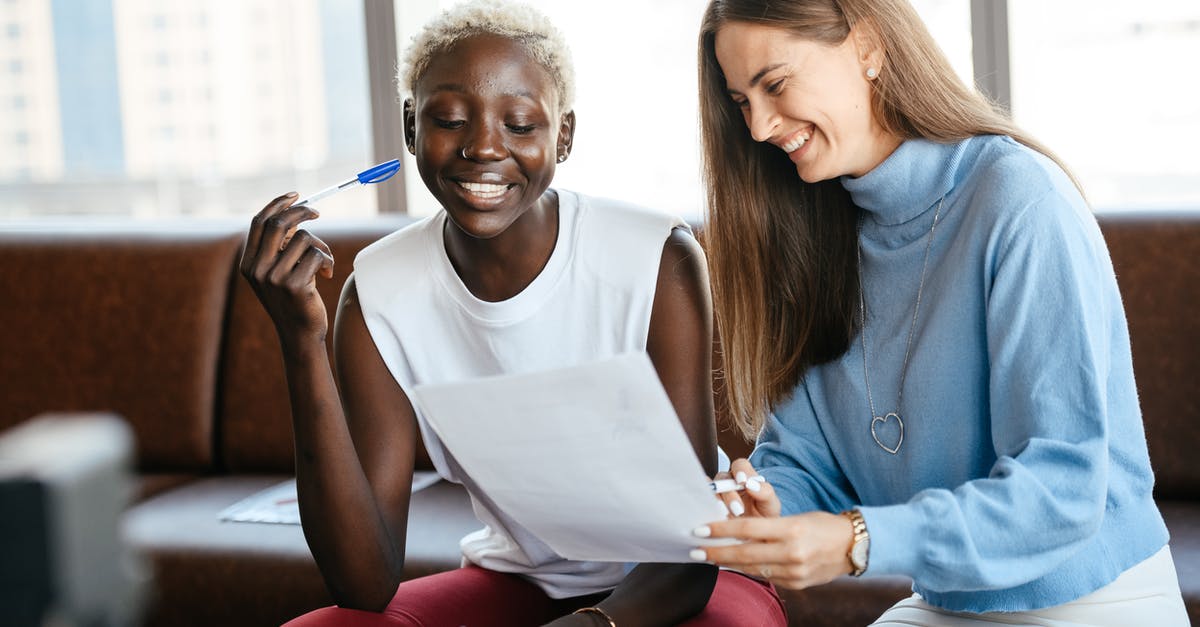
point(872, 73)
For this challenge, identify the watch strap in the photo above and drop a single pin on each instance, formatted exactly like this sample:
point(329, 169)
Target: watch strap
point(860, 536)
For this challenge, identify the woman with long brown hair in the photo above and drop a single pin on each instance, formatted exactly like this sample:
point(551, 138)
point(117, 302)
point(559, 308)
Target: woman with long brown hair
point(921, 325)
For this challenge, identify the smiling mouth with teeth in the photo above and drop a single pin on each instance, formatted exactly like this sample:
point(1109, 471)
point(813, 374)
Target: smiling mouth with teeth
point(797, 143)
point(484, 190)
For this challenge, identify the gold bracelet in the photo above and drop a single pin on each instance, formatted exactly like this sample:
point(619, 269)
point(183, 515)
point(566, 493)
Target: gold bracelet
point(596, 610)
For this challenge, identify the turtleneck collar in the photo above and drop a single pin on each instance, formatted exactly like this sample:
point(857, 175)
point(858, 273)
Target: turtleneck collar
point(909, 182)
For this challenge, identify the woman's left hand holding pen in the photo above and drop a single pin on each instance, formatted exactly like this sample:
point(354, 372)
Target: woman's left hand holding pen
point(281, 262)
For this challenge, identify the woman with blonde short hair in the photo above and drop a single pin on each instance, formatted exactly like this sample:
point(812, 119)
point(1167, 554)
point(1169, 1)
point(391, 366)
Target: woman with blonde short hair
point(511, 276)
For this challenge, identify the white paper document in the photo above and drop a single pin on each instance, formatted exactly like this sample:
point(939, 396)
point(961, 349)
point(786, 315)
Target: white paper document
point(277, 504)
point(592, 458)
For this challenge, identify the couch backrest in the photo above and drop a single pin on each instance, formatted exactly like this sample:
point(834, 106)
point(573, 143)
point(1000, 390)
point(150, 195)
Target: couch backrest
point(1157, 260)
point(151, 321)
point(109, 317)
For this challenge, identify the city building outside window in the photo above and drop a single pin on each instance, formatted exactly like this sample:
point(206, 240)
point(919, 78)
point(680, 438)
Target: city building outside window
point(163, 109)
point(1108, 85)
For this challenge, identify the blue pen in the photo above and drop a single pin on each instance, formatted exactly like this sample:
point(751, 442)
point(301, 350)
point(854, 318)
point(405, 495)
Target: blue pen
point(381, 172)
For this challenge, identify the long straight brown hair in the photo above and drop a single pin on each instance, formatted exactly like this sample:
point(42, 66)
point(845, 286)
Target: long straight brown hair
point(781, 252)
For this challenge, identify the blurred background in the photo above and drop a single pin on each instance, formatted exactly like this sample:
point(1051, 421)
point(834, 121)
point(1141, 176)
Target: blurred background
point(210, 108)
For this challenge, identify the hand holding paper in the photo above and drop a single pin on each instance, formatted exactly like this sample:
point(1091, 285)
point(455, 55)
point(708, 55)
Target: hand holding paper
point(590, 458)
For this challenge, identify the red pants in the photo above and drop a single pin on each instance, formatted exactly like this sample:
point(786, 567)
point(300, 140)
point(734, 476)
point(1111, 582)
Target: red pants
point(477, 597)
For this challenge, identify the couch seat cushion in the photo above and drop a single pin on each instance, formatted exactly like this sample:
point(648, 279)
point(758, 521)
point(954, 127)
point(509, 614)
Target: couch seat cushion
point(208, 572)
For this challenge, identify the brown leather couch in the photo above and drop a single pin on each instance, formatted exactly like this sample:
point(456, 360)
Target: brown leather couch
point(151, 320)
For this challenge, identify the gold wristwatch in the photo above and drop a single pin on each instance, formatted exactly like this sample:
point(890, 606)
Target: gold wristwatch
point(861, 547)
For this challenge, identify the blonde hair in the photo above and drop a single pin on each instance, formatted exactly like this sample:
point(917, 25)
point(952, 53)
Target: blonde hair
point(516, 21)
point(781, 252)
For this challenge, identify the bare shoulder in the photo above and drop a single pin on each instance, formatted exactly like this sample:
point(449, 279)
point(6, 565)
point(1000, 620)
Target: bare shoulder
point(683, 264)
point(349, 308)
point(351, 339)
point(682, 300)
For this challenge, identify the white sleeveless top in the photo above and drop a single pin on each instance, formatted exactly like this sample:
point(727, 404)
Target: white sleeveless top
point(591, 301)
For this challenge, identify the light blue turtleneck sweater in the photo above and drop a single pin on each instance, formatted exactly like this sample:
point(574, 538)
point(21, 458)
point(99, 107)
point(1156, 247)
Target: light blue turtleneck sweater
point(1023, 480)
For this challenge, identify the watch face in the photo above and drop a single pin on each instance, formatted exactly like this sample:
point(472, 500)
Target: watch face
point(858, 554)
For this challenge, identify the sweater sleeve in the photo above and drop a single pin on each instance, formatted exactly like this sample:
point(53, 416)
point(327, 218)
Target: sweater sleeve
point(1049, 313)
point(794, 456)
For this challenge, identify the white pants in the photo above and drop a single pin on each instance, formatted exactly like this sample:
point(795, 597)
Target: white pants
point(1146, 594)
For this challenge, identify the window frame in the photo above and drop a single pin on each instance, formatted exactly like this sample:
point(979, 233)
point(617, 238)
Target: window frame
point(989, 36)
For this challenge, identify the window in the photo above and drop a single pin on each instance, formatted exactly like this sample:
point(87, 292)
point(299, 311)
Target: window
point(156, 106)
point(949, 21)
point(266, 96)
point(1107, 85)
point(637, 135)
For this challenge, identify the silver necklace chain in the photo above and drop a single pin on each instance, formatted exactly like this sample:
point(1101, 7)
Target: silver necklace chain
point(877, 419)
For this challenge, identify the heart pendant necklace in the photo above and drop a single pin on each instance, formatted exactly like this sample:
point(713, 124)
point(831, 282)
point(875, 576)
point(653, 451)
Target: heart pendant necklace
point(881, 425)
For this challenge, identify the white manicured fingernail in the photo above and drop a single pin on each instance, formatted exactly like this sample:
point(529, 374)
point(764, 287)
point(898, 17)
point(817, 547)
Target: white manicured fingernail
point(741, 477)
point(753, 485)
point(702, 532)
point(698, 555)
point(737, 508)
